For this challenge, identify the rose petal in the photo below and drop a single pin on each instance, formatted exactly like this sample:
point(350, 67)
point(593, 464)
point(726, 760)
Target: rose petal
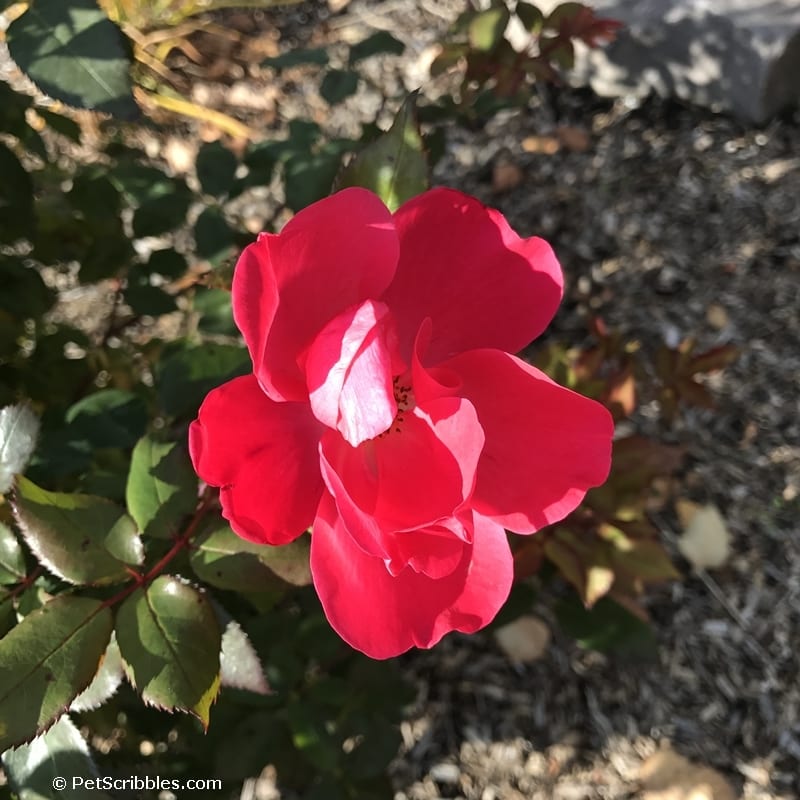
point(334, 254)
point(545, 445)
point(382, 615)
point(415, 476)
point(349, 373)
point(265, 457)
point(463, 266)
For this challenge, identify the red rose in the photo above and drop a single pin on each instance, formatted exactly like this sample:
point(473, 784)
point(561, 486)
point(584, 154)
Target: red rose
point(385, 410)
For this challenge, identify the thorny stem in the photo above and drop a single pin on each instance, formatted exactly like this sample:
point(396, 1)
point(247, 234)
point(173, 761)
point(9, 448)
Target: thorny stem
point(143, 579)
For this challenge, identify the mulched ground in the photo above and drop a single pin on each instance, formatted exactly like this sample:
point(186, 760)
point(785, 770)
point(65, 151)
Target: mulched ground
point(669, 222)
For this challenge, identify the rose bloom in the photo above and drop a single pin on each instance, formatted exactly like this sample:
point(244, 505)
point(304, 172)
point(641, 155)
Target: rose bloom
point(385, 411)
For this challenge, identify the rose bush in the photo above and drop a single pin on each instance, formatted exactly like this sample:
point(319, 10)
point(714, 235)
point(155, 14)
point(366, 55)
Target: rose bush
point(386, 412)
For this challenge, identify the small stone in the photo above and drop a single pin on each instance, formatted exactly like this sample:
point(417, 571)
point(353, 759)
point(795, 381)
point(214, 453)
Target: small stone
point(445, 773)
point(524, 640)
point(717, 316)
point(705, 541)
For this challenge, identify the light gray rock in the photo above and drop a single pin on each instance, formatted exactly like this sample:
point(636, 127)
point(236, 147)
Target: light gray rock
point(741, 56)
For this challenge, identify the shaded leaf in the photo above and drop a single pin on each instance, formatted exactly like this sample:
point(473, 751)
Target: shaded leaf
point(161, 488)
point(8, 615)
point(240, 666)
point(148, 300)
point(308, 178)
point(216, 314)
point(109, 418)
point(61, 124)
point(81, 538)
point(46, 661)
point(61, 752)
point(105, 683)
point(311, 736)
point(170, 641)
point(12, 559)
point(394, 165)
point(24, 293)
point(530, 16)
point(187, 375)
point(607, 626)
point(227, 561)
point(74, 53)
point(216, 168)
point(16, 198)
point(296, 58)
point(213, 237)
point(378, 42)
point(162, 214)
point(167, 262)
point(337, 85)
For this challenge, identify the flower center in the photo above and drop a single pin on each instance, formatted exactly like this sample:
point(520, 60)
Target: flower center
point(404, 397)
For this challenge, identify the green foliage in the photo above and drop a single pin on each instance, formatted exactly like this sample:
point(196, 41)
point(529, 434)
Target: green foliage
point(80, 538)
point(75, 54)
point(60, 752)
point(161, 488)
point(394, 165)
point(46, 661)
point(170, 642)
point(477, 45)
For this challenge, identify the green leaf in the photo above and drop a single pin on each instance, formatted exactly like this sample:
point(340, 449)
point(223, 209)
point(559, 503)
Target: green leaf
point(109, 418)
point(162, 487)
point(61, 124)
point(170, 642)
point(80, 538)
point(223, 559)
point(24, 293)
point(105, 683)
point(46, 661)
point(337, 85)
point(216, 314)
point(140, 183)
point(162, 214)
point(379, 42)
point(75, 54)
point(185, 377)
point(487, 28)
point(311, 737)
point(394, 165)
point(213, 238)
point(308, 178)
point(151, 301)
point(61, 752)
point(240, 666)
point(216, 168)
point(12, 560)
point(8, 615)
point(296, 58)
point(530, 16)
point(16, 198)
point(607, 626)
point(167, 262)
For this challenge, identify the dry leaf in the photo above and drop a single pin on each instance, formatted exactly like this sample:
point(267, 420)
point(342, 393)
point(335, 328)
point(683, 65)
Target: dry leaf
point(547, 145)
point(666, 775)
point(576, 140)
point(506, 175)
point(705, 541)
point(524, 640)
